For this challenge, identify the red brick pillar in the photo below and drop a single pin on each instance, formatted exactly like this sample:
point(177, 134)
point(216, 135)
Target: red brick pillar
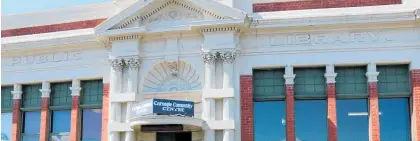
point(74, 118)
point(16, 120)
point(43, 132)
point(332, 112)
point(290, 113)
point(105, 112)
point(247, 108)
point(415, 84)
point(374, 112)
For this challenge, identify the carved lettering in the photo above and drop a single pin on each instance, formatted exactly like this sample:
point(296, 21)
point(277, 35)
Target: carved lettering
point(325, 38)
point(50, 58)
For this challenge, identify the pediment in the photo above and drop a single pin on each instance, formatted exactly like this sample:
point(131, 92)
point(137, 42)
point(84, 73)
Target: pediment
point(158, 14)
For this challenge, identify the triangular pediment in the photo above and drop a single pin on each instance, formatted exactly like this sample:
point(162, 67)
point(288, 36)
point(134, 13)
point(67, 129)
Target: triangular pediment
point(169, 13)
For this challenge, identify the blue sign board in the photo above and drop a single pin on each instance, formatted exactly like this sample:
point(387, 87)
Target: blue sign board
point(163, 107)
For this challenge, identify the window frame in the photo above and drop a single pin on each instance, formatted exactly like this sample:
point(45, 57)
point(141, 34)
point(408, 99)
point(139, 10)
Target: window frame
point(395, 94)
point(25, 109)
point(8, 109)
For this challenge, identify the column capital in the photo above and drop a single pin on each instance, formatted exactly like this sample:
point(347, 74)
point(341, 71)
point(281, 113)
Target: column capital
point(117, 64)
point(45, 91)
point(17, 94)
point(75, 87)
point(288, 75)
point(228, 56)
point(133, 62)
point(330, 74)
point(209, 58)
point(372, 74)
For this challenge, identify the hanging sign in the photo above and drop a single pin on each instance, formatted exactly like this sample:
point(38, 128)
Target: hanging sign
point(163, 107)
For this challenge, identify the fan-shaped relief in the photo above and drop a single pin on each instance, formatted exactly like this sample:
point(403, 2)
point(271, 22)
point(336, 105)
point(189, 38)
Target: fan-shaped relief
point(172, 76)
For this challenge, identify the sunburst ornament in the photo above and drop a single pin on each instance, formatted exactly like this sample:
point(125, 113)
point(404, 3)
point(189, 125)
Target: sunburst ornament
point(170, 76)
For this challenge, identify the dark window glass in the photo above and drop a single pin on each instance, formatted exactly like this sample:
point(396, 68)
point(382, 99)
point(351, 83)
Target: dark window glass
point(351, 80)
point(309, 82)
point(31, 125)
point(91, 124)
point(6, 126)
point(311, 120)
point(353, 120)
point(91, 92)
point(31, 96)
point(269, 121)
point(60, 94)
point(393, 79)
point(268, 84)
point(394, 119)
point(6, 98)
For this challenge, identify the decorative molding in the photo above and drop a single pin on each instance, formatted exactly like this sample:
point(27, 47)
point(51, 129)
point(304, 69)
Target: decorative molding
point(371, 73)
point(417, 14)
point(117, 64)
point(171, 77)
point(75, 91)
point(209, 58)
point(219, 29)
point(133, 62)
point(45, 92)
point(289, 76)
point(228, 56)
point(124, 37)
point(330, 74)
point(17, 94)
point(156, 10)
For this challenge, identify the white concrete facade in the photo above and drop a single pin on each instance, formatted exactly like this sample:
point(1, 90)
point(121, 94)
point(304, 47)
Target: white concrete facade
point(196, 50)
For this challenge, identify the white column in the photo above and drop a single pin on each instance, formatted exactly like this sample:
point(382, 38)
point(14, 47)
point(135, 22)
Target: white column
point(228, 58)
point(209, 108)
point(330, 74)
point(115, 87)
point(75, 87)
point(132, 85)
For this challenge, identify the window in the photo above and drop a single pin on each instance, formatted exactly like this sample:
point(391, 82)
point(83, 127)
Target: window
point(311, 120)
point(91, 92)
point(6, 126)
point(91, 124)
point(269, 105)
point(268, 84)
point(60, 105)
point(60, 125)
point(6, 112)
point(91, 104)
point(309, 82)
point(352, 120)
point(31, 106)
point(269, 121)
point(393, 80)
point(394, 119)
point(31, 126)
point(351, 81)
point(6, 99)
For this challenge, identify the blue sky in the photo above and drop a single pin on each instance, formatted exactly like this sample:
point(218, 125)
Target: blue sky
point(25, 6)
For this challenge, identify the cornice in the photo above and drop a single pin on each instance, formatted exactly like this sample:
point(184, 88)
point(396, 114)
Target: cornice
point(318, 20)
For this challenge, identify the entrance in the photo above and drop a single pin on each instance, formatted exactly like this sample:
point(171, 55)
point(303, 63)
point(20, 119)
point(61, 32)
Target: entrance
point(173, 136)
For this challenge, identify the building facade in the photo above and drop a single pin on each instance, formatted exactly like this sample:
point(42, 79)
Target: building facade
point(262, 70)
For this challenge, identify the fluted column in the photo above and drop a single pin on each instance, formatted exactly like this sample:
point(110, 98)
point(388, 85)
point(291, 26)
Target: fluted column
point(209, 59)
point(45, 102)
point(133, 64)
point(116, 86)
point(228, 57)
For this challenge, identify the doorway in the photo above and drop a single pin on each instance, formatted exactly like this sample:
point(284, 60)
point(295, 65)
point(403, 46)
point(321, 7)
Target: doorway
point(173, 136)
